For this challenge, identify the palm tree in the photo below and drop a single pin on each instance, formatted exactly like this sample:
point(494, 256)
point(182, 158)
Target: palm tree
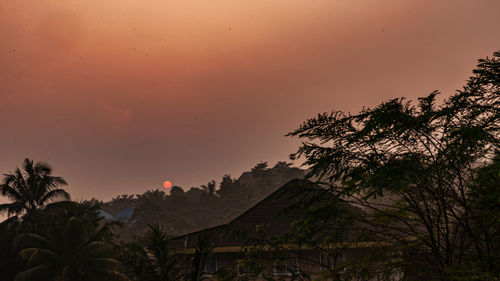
point(209, 188)
point(9, 264)
point(150, 259)
point(31, 188)
point(70, 248)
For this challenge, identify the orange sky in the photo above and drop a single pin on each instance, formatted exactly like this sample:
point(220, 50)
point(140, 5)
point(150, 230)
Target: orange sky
point(121, 95)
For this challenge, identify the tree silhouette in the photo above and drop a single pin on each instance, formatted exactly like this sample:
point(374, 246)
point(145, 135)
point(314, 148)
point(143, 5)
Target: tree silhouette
point(176, 191)
point(9, 264)
point(260, 168)
point(71, 247)
point(414, 168)
point(229, 187)
point(31, 188)
point(209, 188)
point(149, 259)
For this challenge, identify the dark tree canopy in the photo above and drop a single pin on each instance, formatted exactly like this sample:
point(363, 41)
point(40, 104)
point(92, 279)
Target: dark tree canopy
point(31, 188)
point(415, 168)
point(73, 244)
point(199, 207)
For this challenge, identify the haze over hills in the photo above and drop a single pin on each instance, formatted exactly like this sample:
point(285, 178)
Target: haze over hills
point(201, 207)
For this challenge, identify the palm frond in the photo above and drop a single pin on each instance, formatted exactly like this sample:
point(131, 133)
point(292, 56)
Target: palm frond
point(105, 231)
point(14, 182)
point(66, 204)
point(37, 273)
point(19, 179)
point(30, 240)
point(37, 256)
point(57, 181)
point(10, 192)
point(41, 167)
point(10, 222)
point(53, 195)
point(97, 249)
point(67, 274)
point(28, 166)
point(12, 208)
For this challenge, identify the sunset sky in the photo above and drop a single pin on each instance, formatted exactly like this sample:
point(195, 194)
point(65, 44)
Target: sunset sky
point(121, 95)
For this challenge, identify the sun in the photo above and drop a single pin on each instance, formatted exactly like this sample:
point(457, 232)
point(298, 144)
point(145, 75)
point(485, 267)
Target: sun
point(167, 184)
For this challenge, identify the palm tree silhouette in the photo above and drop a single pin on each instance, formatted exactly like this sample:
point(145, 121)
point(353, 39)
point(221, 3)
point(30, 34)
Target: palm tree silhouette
point(31, 188)
point(72, 247)
point(209, 188)
point(150, 259)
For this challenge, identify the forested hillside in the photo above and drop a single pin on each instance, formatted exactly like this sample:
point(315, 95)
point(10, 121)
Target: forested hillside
point(200, 207)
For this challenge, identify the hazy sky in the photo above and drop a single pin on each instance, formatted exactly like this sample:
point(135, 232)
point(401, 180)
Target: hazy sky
point(120, 95)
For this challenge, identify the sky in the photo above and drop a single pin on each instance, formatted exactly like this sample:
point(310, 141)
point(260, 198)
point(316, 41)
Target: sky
point(121, 95)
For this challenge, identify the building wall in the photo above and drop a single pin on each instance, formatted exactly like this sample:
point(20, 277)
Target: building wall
point(238, 264)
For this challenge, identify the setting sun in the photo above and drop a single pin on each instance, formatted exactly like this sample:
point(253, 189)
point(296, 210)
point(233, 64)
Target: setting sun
point(167, 184)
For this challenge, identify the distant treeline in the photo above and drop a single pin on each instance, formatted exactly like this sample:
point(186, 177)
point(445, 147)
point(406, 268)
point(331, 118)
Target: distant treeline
point(200, 207)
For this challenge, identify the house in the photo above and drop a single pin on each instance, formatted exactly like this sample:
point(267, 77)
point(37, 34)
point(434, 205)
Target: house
point(257, 242)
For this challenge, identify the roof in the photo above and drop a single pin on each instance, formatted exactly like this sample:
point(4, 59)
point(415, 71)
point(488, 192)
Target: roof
point(125, 215)
point(266, 212)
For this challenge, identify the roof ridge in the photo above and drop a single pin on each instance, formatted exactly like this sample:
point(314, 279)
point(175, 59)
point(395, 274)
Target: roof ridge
point(249, 209)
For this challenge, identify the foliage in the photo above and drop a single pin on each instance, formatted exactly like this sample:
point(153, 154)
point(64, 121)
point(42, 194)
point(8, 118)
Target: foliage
point(31, 188)
point(9, 265)
point(182, 212)
point(70, 247)
point(485, 212)
point(66, 240)
point(176, 191)
point(149, 259)
point(414, 170)
point(209, 188)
